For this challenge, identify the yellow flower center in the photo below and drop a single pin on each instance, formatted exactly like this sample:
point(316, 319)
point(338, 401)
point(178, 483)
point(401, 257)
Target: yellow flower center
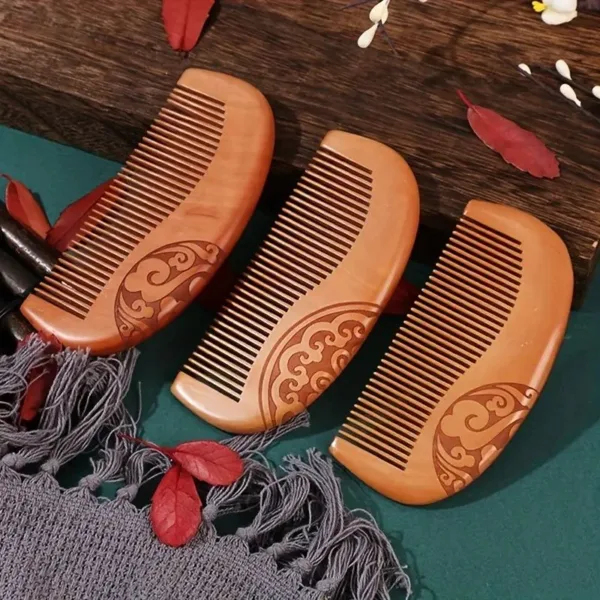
point(539, 6)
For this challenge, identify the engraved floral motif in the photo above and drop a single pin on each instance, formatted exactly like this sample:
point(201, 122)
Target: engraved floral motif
point(475, 429)
point(161, 284)
point(310, 356)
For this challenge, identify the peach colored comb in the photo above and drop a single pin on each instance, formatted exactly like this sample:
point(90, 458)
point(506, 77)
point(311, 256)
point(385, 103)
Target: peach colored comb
point(469, 362)
point(173, 214)
point(313, 291)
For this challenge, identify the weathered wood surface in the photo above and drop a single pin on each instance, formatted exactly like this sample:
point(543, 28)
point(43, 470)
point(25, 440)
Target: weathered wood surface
point(93, 74)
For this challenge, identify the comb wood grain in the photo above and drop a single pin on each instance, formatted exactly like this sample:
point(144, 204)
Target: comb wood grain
point(468, 363)
point(174, 212)
point(313, 291)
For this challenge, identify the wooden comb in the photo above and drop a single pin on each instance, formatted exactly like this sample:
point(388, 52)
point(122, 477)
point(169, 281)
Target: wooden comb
point(173, 214)
point(313, 291)
point(468, 363)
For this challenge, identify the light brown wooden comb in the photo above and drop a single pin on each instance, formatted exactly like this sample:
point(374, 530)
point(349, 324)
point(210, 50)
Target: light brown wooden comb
point(173, 214)
point(313, 291)
point(468, 363)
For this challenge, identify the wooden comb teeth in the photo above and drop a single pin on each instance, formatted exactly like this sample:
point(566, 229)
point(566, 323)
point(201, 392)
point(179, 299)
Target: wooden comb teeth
point(467, 364)
point(172, 214)
point(311, 293)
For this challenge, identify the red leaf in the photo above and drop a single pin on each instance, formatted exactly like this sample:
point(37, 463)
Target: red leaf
point(176, 514)
point(209, 461)
point(218, 288)
point(402, 299)
point(22, 206)
point(72, 218)
point(519, 147)
point(184, 21)
point(39, 381)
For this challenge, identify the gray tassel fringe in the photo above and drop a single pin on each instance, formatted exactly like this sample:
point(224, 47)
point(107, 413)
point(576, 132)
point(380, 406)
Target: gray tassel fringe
point(299, 515)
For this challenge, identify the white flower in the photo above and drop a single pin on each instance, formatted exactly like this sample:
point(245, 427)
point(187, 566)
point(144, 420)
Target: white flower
point(378, 16)
point(556, 12)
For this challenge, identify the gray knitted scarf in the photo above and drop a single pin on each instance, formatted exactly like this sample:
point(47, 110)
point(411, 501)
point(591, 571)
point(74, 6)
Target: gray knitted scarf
point(63, 544)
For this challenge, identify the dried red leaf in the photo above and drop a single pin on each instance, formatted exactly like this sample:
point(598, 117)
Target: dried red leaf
point(402, 299)
point(184, 21)
point(209, 461)
point(72, 218)
point(39, 381)
point(218, 288)
point(175, 514)
point(519, 147)
point(23, 207)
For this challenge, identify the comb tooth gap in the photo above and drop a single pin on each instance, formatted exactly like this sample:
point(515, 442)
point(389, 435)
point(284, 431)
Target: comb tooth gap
point(193, 115)
point(313, 237)
point(243, 362)
point(210, 104)
point(471, 279)
point(405, 346)
point(70, 296)
point(458, 285)
point(99, 274)
point(252, 337)
point(239, 345)
point(296, 213)
point(429, 373)
point(443, 313)
point(456, 261)
point(384, 418)
point(116, 227)
point(365, 446)
point(162, 138)
point(450, 350)
point(189, 125)
point(504, 277)
point(247, 342)
point(347, 162)
point(152, 153)
point(400, 435)
point(500, 251)
point(488, 254)
point(233, 306)
point(122, 201)
point(97, 238)
point(267, 274)
point(404, 385)
point(257, 296)
point(308, 268)
point(205, 357)
point(392, 411)
point(68, 268)
point(456, 334)
point(359, 181)
point(285, 297)
point(170, 168)
point(315, 191)
point(346, 222)
point(375, 437)
point(208, 378)
point(513, 243)
point(274, 259)
point(431, 391)
point(90, 251)
point(318, 266)
point(326, 257)
point(56, 279)
point(314, 229)
point(457, 296)
point(160, 190)
point(155, 173)
point(204, 140)
point(379, 391)
point(114, 236)
point(358, 197)
point(76, 311)
point(92, 242)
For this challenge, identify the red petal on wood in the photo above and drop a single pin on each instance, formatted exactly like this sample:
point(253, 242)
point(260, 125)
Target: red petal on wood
point(176, 514)
point(519, 147)
point(209, 461)
point(218, 288)
point(23, 207)
point(184, 21)
point(402, 299)
point(72, 218)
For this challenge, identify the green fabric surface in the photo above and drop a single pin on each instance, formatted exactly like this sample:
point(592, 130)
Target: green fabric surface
point(528, 529)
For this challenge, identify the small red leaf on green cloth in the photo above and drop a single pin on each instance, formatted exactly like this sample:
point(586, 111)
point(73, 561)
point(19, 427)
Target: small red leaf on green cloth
point(218, 288)
point(176, 511)
point(209, 461)
point(517, 146)
point(72, 218)
point(24, 208)
point(39, 381)
point(402, 299)
point(184, 21)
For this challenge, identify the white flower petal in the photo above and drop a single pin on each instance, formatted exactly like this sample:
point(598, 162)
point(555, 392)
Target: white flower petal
point(596, 91)
point(553, 17)
point(568, 92)
point(364, 41)
point(525, 68)
point(563, 69)
point(379, 12)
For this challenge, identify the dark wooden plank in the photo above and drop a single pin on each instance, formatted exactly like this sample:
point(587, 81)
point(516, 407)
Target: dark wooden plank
point(94, 74)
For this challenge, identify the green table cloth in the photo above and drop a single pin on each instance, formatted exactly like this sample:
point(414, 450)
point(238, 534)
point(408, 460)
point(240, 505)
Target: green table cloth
point(529, 529)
